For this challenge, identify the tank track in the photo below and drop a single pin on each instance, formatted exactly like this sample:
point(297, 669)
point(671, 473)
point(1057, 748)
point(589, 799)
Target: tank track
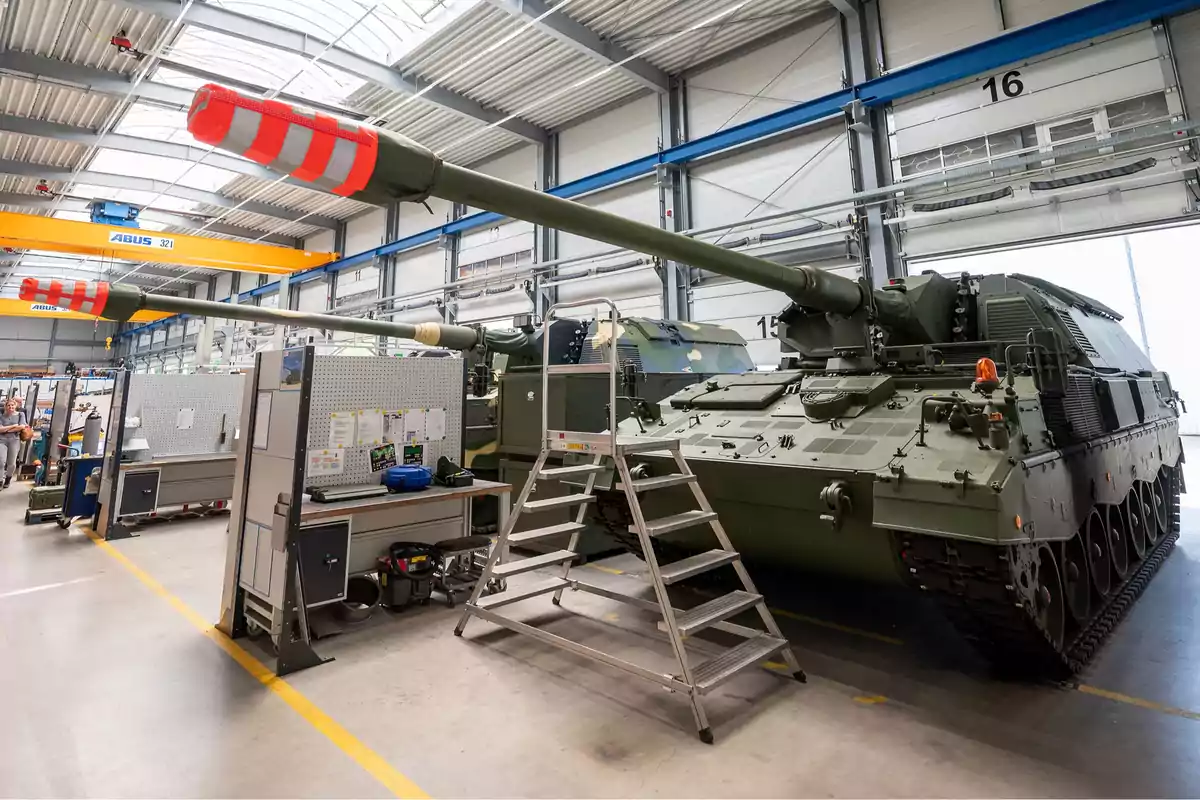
point(974, 586)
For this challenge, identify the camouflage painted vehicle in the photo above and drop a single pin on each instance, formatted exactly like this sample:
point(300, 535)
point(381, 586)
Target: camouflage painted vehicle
point(662, 356)
point(1002, 445)
point(658, 358)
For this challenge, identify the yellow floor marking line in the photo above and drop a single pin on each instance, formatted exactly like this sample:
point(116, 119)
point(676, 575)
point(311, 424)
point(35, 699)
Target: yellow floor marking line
point(879, 637)
point(870, 699)
point(396, 782)
point(1149, 705)
point(609, 570)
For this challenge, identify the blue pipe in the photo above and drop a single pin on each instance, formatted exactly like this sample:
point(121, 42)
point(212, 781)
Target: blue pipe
point(1090, 22)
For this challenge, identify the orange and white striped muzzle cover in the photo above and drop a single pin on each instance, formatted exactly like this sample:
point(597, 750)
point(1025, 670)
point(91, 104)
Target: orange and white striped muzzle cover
point(86, 297)
point(336, 155)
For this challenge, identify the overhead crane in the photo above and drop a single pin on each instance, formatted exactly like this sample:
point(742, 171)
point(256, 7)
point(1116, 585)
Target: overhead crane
point(32, 232)
point(14, 307)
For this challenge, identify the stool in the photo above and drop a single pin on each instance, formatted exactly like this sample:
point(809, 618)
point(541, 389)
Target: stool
point(460, 566)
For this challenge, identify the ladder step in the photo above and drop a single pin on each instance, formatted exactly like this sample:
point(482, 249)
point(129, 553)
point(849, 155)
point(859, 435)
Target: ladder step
point(687, 519)
point(644, 444)
point(677, 571)
point(660, 482)
point(580, 369)
point(561, 473)
point(717, 670)
point(566, 501)
point(523, 592)
point(722, 608)
point(532, 563)
point(540, 533)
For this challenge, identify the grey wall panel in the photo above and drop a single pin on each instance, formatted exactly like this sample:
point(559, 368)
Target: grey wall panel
point(914, 30)
point(24, 328)
point(23, 350)
point(805, 65)
point(1019, 13)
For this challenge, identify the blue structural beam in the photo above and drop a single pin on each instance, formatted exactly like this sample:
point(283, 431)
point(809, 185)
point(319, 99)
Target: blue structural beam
point(1090, 22)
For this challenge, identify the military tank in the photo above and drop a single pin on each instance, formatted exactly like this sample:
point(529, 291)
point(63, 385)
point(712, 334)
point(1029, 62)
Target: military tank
point(998, 442)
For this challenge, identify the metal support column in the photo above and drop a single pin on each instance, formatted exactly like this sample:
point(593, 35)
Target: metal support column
point(451, 244)
point(545, 240)
point(862, 45)
point(339, 246)
point(674, 200)
point(386, 267)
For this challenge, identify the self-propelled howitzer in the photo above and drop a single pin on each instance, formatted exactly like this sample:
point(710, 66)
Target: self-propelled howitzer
point(998, 442)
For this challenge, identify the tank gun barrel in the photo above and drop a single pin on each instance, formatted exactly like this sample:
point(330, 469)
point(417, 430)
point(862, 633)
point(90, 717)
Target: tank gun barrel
point(378, 166)
point(119, 303)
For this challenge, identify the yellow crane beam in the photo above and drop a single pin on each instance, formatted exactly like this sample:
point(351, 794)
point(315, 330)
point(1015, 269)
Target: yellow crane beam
point(12, 307)
point(31, 232)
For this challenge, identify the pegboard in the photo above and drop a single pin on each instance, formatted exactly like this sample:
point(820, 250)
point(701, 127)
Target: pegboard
point(157, 399)
point(351, 383)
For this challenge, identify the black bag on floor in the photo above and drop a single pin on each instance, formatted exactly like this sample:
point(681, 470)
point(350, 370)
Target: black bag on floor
point(406, 574)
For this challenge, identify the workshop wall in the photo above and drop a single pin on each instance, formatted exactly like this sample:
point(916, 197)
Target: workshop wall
point(48, 344)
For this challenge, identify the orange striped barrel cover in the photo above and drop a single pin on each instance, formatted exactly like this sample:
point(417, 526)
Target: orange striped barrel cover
point(340, 156)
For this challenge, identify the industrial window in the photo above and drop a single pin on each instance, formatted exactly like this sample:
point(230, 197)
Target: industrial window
point(1129, 114)
point(1069, 137)
point(356, 298)
point(1063, 141)
point(493, 266)
point(979, 150)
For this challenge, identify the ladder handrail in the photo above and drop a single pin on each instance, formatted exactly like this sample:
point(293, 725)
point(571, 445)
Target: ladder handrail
point(612, 376)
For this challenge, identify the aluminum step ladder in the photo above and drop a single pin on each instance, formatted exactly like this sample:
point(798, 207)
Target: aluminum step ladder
point(610, 451)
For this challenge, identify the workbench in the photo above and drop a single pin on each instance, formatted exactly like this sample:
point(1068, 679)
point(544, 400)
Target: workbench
point(144, 487)
point(427, 516)
point(334, 541)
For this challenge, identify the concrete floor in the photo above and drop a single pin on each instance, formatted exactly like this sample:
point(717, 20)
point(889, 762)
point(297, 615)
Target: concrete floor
point(106, 689)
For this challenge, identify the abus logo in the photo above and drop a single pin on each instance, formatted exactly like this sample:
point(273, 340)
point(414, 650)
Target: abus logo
point(43, 307)
point(139, 240)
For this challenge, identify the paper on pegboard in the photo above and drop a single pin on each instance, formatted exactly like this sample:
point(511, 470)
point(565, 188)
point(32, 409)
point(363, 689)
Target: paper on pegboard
point(435, 424)
point(370, 427)
point(414, 425)
point(325, 462)
point(393, 426)
point(341, 428)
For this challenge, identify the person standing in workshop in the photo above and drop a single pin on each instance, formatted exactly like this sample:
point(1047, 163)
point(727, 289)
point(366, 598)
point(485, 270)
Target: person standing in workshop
point(12, 423)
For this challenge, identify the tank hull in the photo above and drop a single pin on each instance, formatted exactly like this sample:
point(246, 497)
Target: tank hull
point(780, 529)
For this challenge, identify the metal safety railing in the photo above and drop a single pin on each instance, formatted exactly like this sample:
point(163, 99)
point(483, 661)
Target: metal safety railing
point(549, 369)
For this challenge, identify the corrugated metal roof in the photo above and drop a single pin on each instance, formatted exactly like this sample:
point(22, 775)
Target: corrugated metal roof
point(53, 102)
point(296, 198)
point(259, 222)
point(647, 26)
point(530, 75)
point(79, 31)
point(35, 150)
